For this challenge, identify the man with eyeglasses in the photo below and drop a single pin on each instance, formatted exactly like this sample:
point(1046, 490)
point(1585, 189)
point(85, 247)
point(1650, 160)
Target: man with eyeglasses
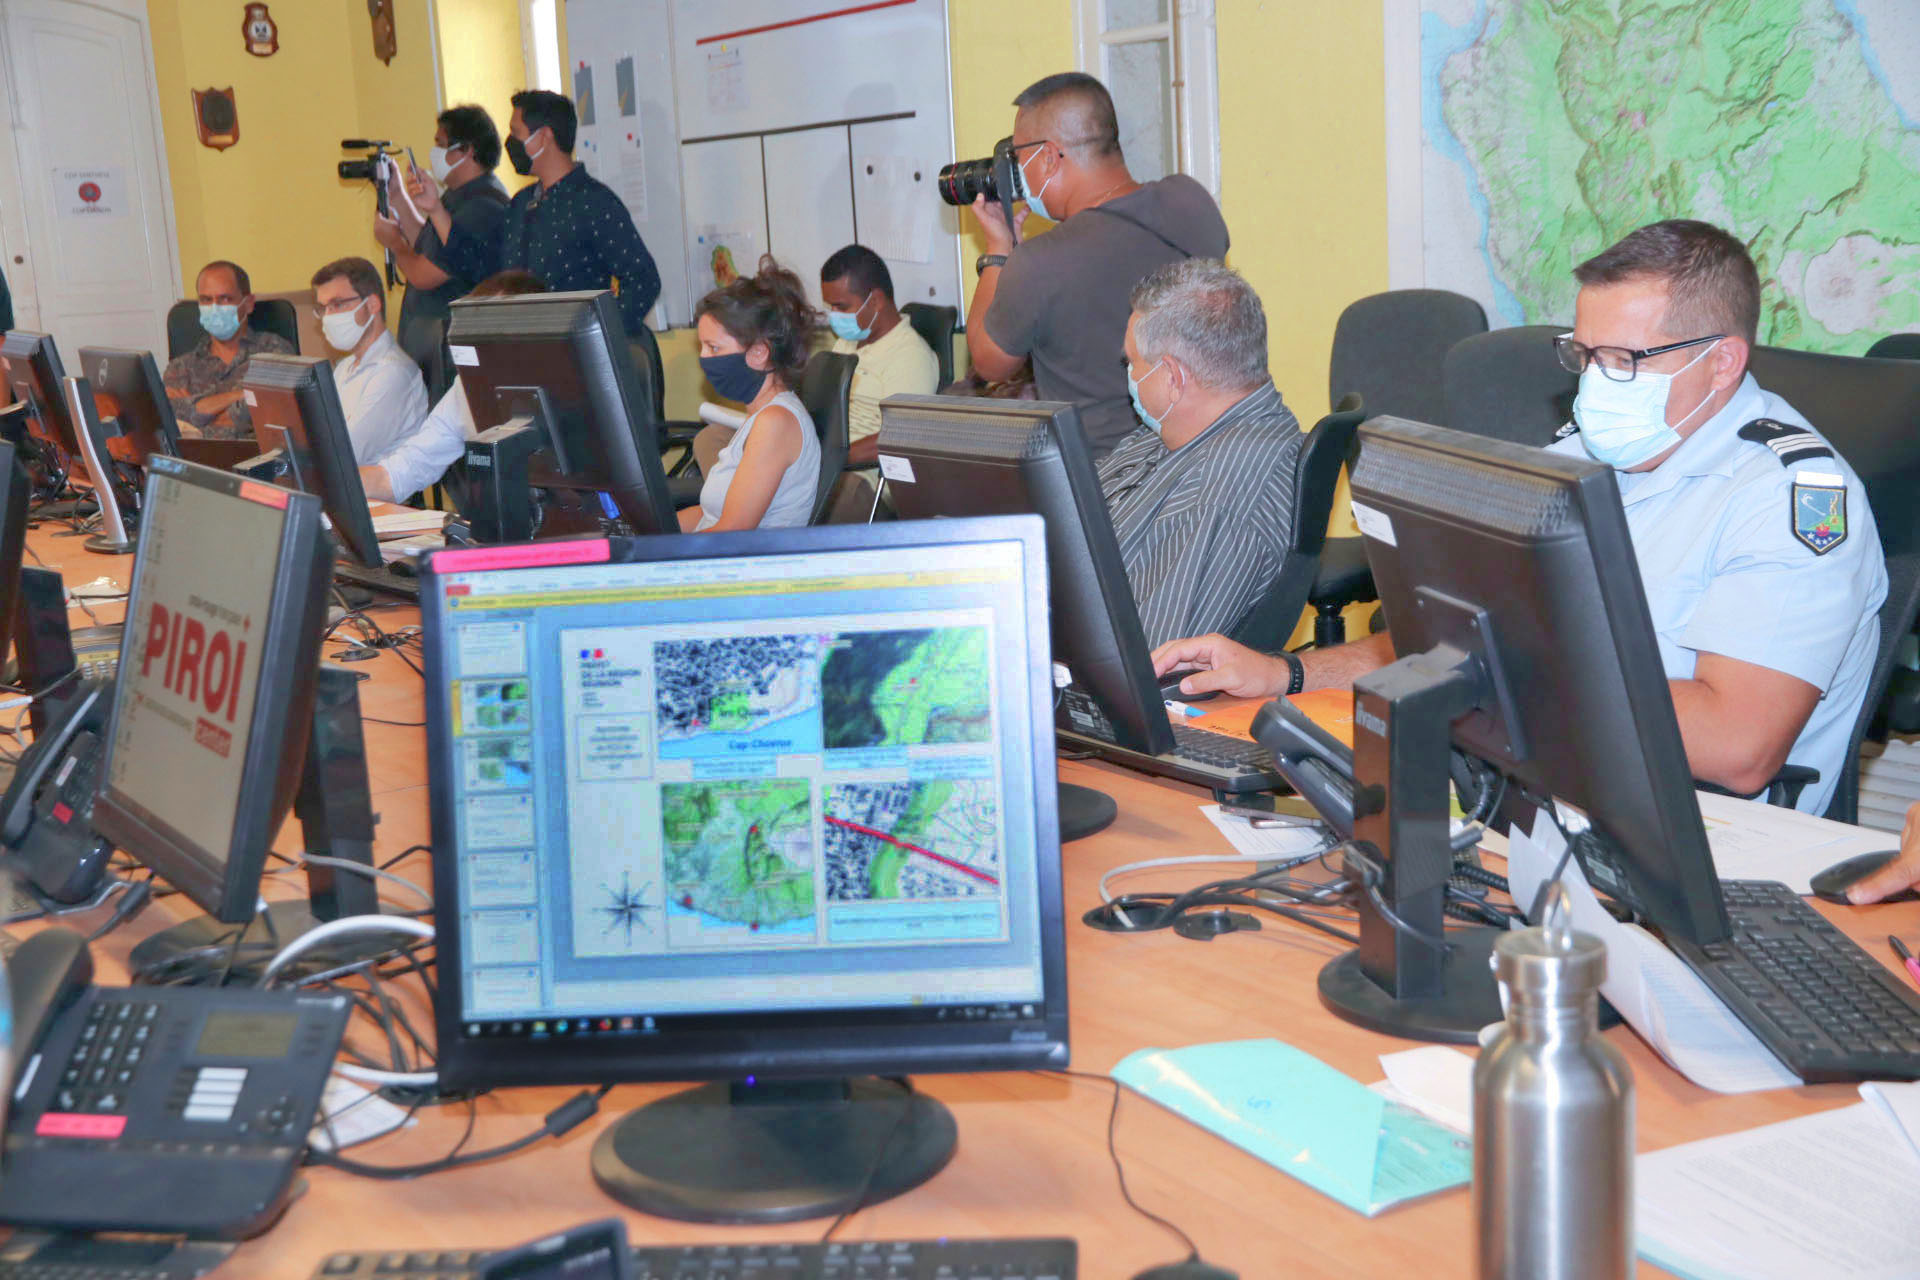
point(1759, 556)
point(382, 395)
point(1060, 300)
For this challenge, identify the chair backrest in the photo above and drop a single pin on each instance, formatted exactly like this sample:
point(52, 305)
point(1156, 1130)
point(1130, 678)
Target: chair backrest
point(1508, 385)
point(1897, 618)
point(1316, 474)
point(438, 365)
point(646, 360)
point(936, 325)
point(270, 315)
point(825, 389)
point(1898, 346)
point(1390, 347)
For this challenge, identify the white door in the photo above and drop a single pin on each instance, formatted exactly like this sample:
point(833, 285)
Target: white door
point(86, 222)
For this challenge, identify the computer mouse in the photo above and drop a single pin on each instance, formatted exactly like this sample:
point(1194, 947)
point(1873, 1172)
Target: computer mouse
point(1191, 1269)
point(1832, 884)
point(404, 567)
point(1170, 686)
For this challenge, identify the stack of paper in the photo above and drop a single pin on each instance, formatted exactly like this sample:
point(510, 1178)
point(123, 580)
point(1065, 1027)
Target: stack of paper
point(1755, 841)
point(399, 522)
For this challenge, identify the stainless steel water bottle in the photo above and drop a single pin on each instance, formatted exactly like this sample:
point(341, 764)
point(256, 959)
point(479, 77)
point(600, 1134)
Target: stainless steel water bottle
point(1552, 1117)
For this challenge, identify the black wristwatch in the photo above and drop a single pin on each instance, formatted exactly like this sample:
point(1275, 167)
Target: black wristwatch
point(1296, 673)
point(985, 260)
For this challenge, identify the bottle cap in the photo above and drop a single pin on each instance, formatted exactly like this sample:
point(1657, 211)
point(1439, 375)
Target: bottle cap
point(1551, 960)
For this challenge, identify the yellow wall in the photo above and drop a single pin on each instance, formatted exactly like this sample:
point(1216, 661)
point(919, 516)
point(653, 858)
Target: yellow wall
point(481, 61)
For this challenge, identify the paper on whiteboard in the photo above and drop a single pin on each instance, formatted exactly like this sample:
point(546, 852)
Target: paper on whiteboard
point(623, 88)
point(633, 173)
point(583, 95)
point(726, 79)
point(719, 255)
point(897, 208)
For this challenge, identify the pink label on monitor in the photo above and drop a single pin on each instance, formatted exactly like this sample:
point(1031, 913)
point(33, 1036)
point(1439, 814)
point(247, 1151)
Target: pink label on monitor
point(271, 495)
point(67, 1124)
point(523, 555)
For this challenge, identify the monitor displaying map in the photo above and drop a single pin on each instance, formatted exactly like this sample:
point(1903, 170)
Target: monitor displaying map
point(719, 786)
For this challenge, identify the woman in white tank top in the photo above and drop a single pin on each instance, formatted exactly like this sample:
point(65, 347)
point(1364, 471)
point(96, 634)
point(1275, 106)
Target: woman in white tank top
point(755, 336)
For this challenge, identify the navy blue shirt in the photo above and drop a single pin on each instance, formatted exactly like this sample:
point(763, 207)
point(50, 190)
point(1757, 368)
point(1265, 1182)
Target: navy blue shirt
point(573, 235)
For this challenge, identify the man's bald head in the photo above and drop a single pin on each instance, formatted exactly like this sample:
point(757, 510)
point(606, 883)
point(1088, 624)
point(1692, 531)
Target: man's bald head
point(1074, 112)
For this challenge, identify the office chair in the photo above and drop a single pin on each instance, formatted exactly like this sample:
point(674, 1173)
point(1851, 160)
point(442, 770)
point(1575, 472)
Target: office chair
point(270, 315)
point(1271, 619)
point(1898, 346)
point(825, 389)
point(1509, 385)
point(646, 359)
point(1390, 348)
point(937, 326)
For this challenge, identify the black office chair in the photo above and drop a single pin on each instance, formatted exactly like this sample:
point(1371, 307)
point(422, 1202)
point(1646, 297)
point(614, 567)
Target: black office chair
point(1271, 620)
point(826, 389)
point(936, 325)
point(270, 315)
point(1390, 348)
point(646, 359)
point(1898, 346)
point(1509, 385)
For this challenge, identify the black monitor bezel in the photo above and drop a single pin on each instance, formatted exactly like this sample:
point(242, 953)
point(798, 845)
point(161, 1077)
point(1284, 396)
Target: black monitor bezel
point(227, 886)
point(133, 377)
point(16, 496)
point(44, 367)
point(328, 469)
point(836, 1043)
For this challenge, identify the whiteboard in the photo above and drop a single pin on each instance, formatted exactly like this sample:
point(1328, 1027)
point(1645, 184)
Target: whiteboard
point(785, 126)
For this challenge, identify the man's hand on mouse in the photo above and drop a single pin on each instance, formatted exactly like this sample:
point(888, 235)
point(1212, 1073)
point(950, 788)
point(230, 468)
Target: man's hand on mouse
point(1902, 873)
point(1225, 667)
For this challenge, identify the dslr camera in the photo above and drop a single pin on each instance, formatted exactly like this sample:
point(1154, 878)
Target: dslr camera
point(997, 177)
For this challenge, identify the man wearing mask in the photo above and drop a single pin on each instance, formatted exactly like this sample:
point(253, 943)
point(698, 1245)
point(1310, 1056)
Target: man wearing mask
point(1759, 556)
point(203, 382)
point(1202, 494)
point(381, 394)
point(567, 228)
point(461, 190)
point(1060, 300)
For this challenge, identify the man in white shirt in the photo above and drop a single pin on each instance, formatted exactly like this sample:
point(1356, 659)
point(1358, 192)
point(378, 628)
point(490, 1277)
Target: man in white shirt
point(381, 393)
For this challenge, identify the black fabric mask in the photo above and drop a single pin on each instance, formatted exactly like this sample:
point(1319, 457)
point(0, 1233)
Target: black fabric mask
point(732, 376)
point(518, 157)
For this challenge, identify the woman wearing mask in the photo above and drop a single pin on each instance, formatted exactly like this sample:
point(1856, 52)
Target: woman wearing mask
point(755, 336)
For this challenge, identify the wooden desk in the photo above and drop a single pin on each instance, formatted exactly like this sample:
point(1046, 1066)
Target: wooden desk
point(1032, 1157)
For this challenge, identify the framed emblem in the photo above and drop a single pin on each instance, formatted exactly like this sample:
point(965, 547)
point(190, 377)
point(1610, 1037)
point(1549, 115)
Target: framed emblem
point(217, 117)
point(1819, 511)
point(261, 33)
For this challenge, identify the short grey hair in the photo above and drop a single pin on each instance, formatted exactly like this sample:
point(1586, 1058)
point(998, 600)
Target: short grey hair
point(1204, 314)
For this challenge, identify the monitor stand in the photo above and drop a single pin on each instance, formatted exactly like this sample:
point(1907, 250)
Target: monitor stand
point(335, 808)
point(781, 1151)
point(1084, 811)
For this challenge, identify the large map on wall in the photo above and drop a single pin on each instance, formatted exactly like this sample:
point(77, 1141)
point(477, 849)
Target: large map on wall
point(1549, 128)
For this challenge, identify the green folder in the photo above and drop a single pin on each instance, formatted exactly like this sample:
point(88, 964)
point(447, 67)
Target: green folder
point(1306, 1119)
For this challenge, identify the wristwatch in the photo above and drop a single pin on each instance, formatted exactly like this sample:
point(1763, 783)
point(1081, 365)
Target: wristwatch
point(1296, 673)
point(985, 260)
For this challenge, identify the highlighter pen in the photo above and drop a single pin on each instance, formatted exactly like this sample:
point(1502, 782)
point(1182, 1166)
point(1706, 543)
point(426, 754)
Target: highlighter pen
point(1906, 957)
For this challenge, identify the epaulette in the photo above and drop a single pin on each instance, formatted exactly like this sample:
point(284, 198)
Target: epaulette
point(1566, 429)
point(1789, 444)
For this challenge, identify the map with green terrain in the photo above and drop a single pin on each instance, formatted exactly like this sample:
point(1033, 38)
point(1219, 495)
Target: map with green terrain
point(1551, 128)
point(911, 840)
point(740, 852)
point(905, 688)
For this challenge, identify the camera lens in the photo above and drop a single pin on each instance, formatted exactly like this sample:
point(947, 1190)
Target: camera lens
point(964, 181)
point(356, 170)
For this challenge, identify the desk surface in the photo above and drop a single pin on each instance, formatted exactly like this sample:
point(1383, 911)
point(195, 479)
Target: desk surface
point(1032, 1157)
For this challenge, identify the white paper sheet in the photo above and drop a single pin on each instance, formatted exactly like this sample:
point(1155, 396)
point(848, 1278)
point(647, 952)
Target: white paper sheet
point(1899, 1105)
point(1281, 843)
point(355, 1114)
point(1435, 1081)
point(1662, 999)
point(1755, 841)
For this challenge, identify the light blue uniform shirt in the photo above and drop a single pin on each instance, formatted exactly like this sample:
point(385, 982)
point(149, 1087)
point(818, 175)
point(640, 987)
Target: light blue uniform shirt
point(1712, 529)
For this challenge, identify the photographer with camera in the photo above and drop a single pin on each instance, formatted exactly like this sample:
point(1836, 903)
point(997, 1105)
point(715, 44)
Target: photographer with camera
point(381, 394)
point(1061, 299)
point(461, 190)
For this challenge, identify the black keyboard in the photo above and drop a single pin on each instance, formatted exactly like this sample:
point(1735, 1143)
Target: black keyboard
point(1031, 1259)
point(403, 584)
point(1200, 756)
point(1814, 997)
point(40, 1256)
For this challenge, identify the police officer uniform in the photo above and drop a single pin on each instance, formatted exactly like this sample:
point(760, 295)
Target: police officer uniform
point(1755, 542)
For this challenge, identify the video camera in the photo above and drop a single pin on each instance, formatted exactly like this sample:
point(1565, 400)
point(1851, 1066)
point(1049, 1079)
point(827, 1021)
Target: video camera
point(371, 167)
point(997, 177)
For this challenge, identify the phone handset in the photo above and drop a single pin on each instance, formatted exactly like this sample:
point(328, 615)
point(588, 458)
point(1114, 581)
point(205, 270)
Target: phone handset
point(86, 710)
point(45, 974)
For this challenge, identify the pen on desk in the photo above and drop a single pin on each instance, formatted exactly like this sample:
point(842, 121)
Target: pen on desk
point(1906, 957)
point(1186, 709)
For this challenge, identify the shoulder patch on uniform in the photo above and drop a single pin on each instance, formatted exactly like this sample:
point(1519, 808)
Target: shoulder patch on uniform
point(1819, 510)
point(1789, 444)
point(1567, 429)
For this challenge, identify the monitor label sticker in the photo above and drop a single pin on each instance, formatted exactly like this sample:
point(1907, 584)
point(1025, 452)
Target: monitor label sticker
point(1375, 524)
point(896, 468)
point(465, 356)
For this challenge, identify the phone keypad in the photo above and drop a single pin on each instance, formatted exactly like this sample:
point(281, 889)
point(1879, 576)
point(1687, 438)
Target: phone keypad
point(114, 1041)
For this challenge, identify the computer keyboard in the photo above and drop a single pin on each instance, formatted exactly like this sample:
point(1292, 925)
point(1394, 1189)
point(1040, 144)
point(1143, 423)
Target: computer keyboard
point(1012, 1259)
point(1199, 756)
point(31, 1255)
point(1814, 997)
point(404, 583)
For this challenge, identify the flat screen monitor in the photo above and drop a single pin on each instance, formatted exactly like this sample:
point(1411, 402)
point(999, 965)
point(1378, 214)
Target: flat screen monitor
point(763, 809)
point(600, 435)
point(132, 395)
point(15, 493)
point(206, 741)
point(31, 365)
point(297, 415)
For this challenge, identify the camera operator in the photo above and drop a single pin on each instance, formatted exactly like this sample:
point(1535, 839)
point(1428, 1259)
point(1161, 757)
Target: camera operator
point(462, 191)
point(1061, 299)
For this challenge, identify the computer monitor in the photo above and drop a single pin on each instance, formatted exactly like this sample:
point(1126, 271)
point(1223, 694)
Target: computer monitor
point(15, 494)
point(133, 396)
point(31, 365)
point(557, 398)
point(1514, 600)
point(215, 700)
point(962, 456)
point(116, 486)
point(770, 809)
point(302, 434)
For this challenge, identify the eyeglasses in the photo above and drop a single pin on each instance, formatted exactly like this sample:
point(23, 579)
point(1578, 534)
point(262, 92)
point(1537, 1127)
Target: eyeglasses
point(1618, 364)
point(337, 306)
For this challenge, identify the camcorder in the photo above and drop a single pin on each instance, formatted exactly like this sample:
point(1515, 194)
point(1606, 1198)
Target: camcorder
point(997, 177)
point(371, 167)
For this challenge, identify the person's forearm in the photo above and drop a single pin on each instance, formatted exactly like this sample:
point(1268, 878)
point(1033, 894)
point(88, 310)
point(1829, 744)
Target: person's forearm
point(983, 291)
point(377, 483)
point(1340, 666)
point(419, 269)
point(865, 451)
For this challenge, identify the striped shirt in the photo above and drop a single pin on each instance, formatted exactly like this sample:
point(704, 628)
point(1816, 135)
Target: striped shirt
point(1203, 528)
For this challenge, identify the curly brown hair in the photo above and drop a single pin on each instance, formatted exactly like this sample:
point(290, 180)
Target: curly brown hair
point(768, 306)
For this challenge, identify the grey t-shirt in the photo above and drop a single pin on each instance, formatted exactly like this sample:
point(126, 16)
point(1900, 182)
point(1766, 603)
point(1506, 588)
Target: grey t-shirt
point(1062, 296)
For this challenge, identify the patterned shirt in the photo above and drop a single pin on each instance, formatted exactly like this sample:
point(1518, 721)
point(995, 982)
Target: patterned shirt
point(1202, 528)
point(573, 235)
point(197, 373)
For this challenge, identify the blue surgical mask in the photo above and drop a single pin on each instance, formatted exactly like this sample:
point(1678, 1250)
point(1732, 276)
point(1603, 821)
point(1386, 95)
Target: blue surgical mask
point(1035, 200)
point(732, 376)
point(846, 324)
point(1622, 424)
point(1133, 394)
point(220, 319)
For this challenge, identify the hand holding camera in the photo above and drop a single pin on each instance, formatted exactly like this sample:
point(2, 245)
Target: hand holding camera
point(990, 185)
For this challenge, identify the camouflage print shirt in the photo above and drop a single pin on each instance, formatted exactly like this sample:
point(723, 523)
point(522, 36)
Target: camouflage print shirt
point(199, 373)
